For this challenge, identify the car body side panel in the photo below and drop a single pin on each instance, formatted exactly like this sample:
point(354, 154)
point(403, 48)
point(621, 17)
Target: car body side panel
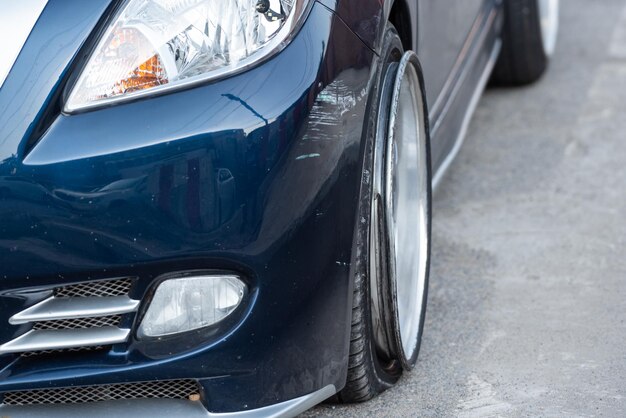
point(444, 32)
point(454, 110)
point(256, 174)
point(439, 31)
point(443, 28)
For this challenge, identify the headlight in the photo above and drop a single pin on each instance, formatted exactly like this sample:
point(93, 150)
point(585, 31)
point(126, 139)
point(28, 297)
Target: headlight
point(188, 303)
point(154, 45)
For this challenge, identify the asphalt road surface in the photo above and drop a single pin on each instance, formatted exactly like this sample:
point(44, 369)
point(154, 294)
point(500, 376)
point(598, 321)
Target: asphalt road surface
point(527, 305)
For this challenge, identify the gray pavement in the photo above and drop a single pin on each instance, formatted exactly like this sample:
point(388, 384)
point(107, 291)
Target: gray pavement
point(527, 305)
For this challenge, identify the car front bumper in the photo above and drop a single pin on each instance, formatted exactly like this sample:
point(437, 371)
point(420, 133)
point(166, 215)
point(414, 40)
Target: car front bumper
point(151, 408)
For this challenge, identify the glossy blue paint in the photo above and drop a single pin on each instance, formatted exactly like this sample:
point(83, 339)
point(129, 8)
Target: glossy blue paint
point(257, 174)
point(254, 174)
point(40, 69)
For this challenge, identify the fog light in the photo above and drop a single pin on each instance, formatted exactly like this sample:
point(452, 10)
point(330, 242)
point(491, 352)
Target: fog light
point(188, 303)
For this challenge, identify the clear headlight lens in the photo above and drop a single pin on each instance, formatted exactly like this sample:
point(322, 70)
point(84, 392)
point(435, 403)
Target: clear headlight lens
point(160, 44)
point(189, 303)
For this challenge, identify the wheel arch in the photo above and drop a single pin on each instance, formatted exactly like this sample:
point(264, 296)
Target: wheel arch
point(368, 19)
point(401, 18)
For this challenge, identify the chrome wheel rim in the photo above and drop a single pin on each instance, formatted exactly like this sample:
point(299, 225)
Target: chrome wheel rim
point(407, 207)
point(399, 237)
point(549, 20)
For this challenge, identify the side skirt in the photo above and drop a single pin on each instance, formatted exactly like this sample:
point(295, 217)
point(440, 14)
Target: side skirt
point(450, 119)
point(471, 108)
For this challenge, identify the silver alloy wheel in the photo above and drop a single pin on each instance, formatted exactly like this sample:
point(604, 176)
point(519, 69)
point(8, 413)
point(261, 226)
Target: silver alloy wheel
point(407, 204)
point(399, 238)
point(549, 18)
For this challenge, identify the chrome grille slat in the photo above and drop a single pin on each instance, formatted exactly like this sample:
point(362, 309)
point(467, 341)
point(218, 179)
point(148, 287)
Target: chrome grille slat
point(56, 308)
point(169, 389)
point(46, 339)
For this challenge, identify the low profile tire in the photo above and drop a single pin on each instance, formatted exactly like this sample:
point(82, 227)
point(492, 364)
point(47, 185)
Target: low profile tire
point(393, 238)
point(528, 41)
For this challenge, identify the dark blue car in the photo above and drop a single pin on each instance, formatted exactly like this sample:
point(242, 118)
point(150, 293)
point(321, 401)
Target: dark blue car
point(222, 208)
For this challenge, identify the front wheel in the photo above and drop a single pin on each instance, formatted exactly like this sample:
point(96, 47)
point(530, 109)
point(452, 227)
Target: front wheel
point(405, 238)
point(528, 40)
point(391, 284)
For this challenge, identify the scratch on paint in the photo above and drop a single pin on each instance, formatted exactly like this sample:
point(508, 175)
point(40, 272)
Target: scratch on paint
point(302, 157)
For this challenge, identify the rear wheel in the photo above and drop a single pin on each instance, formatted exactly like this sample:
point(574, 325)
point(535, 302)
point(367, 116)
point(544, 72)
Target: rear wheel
point(391, 283)
point(528, 40)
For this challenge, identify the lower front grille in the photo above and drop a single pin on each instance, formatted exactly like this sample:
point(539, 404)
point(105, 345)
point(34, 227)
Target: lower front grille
point(76, 316)
point(169, 389)
point(78, 323)
point(106, 288)
point(66, 350)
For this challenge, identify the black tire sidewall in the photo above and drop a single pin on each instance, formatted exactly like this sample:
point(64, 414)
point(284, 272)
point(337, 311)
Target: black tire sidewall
point(367, 375)
point(386, 373)
point(522, 59)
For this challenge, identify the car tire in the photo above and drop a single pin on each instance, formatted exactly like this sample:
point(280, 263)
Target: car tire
point(376, 359)
point(528, 41)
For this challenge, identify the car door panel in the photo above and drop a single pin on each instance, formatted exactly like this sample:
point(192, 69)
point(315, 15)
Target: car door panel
point(443, 28)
